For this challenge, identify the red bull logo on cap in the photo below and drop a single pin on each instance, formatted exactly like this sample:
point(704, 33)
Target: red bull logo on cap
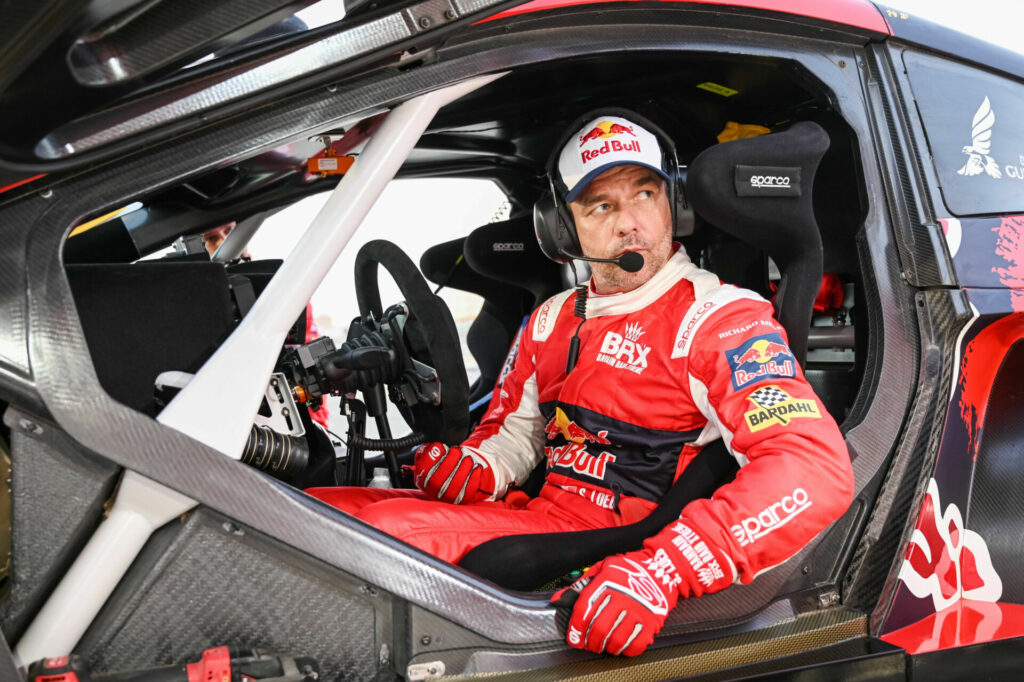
point(610, 132)
point(761, 357)
point(606, 129)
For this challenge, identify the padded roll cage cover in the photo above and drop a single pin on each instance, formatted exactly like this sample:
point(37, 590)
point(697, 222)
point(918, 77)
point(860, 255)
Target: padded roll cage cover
point(783, 227)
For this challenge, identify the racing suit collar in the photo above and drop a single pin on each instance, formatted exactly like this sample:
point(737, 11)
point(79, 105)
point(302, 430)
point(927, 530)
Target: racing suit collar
point(676, 268)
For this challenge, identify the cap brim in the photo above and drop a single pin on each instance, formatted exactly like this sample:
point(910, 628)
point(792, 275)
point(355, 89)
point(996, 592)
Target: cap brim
point(589, 177)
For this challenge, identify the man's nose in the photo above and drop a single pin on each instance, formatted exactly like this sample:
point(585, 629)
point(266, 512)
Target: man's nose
point(629, 221)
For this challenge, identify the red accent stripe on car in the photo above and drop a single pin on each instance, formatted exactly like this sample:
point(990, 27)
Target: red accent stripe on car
point(859, 13)
point(20, 182)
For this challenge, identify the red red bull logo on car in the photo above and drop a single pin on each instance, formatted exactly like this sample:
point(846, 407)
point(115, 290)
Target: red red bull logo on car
point(573, 454)
point(613, 134)
point(762, 357)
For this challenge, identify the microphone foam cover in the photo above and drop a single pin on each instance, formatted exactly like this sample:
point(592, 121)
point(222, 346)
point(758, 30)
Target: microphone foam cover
point(631, 261)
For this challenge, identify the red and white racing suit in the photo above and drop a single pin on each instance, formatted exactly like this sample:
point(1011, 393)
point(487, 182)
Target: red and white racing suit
point(663, 370)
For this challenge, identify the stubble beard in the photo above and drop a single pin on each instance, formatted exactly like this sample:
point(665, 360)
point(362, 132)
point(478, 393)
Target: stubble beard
point(610, 277)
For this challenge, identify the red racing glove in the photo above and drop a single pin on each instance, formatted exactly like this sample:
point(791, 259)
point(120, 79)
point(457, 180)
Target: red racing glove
point(623, 601)
point(451, 474)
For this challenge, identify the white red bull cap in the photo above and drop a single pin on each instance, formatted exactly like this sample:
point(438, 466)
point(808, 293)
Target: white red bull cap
point(604, 142)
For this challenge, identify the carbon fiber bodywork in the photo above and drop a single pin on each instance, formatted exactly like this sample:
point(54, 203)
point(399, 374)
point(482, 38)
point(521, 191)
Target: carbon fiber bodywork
point(179, 594)
point(700, 659)
point(389, 593)
point(57, 495)
point(872, 561)
point(872, 579)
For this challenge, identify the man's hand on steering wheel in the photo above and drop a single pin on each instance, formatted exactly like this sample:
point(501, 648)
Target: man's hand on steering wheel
point(452, 474)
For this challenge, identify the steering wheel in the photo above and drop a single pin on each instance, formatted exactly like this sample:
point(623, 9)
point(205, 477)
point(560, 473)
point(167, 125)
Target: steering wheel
point(429, 336)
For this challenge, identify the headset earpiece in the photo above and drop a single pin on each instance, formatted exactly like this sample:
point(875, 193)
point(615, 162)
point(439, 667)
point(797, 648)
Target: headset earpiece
point(556, 233)
point(682, 214)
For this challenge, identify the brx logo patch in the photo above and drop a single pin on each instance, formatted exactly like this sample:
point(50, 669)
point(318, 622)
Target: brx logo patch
point(625, 352)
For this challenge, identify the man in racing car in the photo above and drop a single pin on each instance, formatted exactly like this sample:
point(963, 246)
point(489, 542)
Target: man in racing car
point(667, 360)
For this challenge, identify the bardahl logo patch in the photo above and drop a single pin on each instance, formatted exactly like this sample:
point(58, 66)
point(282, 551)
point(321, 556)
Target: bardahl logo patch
point(761, 357)
point(775, 406)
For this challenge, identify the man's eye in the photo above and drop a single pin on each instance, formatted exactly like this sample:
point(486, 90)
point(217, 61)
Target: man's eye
point(601, 208)
point(645, 194)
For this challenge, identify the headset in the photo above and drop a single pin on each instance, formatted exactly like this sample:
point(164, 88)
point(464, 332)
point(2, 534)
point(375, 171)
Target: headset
point(552, 218)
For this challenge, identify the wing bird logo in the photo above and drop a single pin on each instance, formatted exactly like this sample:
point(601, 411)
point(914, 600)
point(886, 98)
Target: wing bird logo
point(978, 158)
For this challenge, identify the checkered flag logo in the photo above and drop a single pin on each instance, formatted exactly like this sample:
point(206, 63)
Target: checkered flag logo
point(768, 397)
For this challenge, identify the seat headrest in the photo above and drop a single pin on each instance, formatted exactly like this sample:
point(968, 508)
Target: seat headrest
point(441, 265)
point(508, 252)
point(759, 189)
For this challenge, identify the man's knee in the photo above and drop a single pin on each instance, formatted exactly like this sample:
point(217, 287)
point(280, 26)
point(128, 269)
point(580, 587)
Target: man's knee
point(401, 516)
point(352, 500)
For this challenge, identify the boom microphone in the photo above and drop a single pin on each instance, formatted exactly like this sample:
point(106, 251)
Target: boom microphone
point(631, 261)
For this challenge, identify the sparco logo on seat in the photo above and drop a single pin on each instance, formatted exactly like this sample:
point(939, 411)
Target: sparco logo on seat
point(769, 181)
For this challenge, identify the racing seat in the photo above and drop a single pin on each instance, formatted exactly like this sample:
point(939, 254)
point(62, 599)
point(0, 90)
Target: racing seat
point(508, 252)
point(502, 263)
point(491, 333)
point(759, 190)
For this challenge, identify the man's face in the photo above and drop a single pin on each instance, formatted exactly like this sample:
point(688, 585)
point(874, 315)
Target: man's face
point(626, 208)
point(215, 237)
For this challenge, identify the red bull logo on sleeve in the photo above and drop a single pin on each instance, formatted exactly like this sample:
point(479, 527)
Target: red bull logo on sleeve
point(761, 357)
